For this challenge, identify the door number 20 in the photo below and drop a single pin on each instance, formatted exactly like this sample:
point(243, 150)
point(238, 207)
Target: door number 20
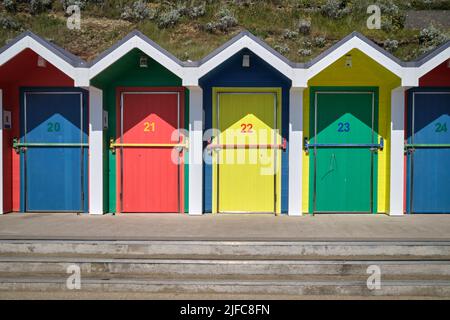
point(53, 127)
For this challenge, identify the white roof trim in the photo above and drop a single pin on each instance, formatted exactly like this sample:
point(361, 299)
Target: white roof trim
point(433, 63)
point(243, 43)
point(345, 48)
point(191, 72)
point(28, 42)
point(135, 43)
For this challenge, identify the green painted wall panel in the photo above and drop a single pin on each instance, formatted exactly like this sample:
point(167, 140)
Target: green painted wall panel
point(342, 179)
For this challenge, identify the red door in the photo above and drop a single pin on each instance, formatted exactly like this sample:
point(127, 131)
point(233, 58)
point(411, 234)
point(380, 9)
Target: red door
point(149, 176)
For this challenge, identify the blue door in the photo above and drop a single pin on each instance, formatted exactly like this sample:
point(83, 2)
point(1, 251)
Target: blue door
point(428, 150)
point(54, 156)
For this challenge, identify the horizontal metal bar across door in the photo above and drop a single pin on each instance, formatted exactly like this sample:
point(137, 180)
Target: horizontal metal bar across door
point(18, 147)
point(380, 145)
point(113, 145)
point(217, 147)
point(424, 145)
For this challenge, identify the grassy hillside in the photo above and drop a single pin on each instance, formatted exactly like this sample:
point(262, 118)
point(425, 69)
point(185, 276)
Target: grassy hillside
point(299, 29)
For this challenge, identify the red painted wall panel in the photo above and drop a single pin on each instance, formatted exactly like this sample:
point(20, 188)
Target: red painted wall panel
point(438, 77)
point(21, 71)
point(151, 182)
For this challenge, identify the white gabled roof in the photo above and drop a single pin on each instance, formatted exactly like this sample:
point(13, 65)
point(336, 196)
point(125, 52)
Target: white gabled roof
point(355, 40)
point(68, 63)
point(432, 60)
point(244, 40)
point(136, 40)
point(191, 72)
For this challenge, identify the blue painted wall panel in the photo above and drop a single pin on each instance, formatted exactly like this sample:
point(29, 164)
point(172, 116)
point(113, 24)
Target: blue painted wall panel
point(428, 179)
point(259, 74)
point(54, 179)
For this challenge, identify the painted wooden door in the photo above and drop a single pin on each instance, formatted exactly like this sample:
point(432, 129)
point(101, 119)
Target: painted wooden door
point(246, 170)
point(342, 167)
point(150, 173)
point(429, 152)
point(54, 161)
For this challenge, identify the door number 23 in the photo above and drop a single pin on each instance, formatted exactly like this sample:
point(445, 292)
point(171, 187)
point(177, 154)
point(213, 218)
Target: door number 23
point(343, 127)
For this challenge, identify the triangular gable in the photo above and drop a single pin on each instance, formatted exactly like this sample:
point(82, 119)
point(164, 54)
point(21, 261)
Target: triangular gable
point(244, 40)
point(136, 40)
point(68, 63)
point(432, 60)
point(355, 41)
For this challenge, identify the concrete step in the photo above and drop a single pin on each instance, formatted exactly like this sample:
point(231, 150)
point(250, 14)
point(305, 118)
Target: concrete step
point(204, 277)
point(427, 288)
point(59, 265)
point(227, 250)
point(191, 296)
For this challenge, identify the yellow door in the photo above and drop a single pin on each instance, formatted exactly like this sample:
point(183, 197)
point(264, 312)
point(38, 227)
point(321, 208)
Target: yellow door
point(246, 153)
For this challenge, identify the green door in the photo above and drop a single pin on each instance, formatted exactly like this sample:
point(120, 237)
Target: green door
point(344, 125)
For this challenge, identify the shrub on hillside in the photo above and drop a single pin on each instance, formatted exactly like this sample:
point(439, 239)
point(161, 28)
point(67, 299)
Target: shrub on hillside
point(305, 52)
point(8, 23)
point(335, 9)
point(289, 34)
point(137, 11)
point(192, 12)
point(320, 42)
point(390, 45)
point(392, 17)
point(169, 19)
point(226, 21)
point(39, 6)
point(10, 5)
point(304, 27)
point(282, 48)
point(307, 43)
point(430, 38)
point(80, 3)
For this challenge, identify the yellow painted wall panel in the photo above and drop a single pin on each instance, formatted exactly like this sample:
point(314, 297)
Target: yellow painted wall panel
point(243, 178)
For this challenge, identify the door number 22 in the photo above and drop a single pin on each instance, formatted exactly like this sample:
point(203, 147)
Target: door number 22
point(247, 128)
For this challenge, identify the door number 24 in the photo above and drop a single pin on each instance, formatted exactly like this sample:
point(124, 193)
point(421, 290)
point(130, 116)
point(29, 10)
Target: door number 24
point(441, 127)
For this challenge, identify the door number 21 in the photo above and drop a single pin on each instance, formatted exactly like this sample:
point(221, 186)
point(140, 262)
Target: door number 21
point(149, 127)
